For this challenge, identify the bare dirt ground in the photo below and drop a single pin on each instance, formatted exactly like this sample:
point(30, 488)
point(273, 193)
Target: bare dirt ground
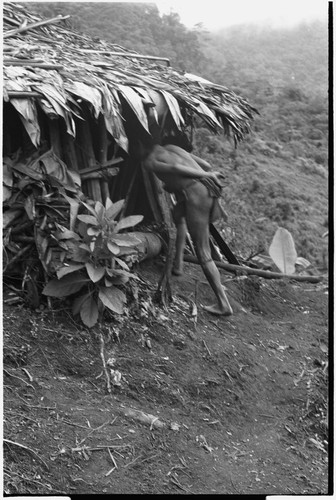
point(225, 405)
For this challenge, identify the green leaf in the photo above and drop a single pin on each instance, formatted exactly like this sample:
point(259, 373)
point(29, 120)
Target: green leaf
point(121, 272)
point(77, 303)
point(130, 221)
point(282, 251)
point(122, 263)
point(88, 219)
point(93, 231)
point(29, 206)
point(119, 280)
point(74, 207)
point(89, 312)
point(79, 252)
point(100, 211)
point(108, 203)
point(95, 273)
point(113, 298)
point(66, 234)
point(9, 216)
point(90, 209)
point(113, 248)
point(108, 282)
point(125, 240)
point(71, 268)
point(114, 210)
point(85, 247)
point(65, 286)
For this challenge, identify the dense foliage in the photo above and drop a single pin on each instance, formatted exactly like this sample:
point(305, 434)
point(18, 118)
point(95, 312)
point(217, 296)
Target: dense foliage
point(278, 176)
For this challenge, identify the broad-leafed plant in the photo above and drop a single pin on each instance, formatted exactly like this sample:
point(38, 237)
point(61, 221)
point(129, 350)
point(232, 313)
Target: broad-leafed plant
point(94, 266)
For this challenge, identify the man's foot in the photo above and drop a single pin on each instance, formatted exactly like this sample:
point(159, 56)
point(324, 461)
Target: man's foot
point(177, 271)
point(219, 310)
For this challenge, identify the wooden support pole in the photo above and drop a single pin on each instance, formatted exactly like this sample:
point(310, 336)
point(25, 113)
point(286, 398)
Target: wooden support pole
point(102, 155)
point(129, 192)
point(69, 150)
point(163, 200)
point(88, 159)
point(149, 183)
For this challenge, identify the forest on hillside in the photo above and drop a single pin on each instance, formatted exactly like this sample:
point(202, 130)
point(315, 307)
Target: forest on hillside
point(278, 176)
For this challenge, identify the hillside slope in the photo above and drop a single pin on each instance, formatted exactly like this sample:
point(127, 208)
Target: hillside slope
point(204, 405)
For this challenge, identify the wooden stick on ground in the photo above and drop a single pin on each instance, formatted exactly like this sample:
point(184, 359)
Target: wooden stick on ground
point(108, 382)
point(258, 272)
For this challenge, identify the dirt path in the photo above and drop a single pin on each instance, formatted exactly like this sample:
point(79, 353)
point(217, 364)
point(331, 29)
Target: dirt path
point(242, 400)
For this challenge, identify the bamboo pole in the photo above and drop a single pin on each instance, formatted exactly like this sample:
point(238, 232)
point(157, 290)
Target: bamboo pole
point(102, 156)
point(129, 191)
point(35, 25)
point(149, 179)
point(43, 65)
point(23, 94)
point(88, 159)
point(232, 268)
point(126, 54)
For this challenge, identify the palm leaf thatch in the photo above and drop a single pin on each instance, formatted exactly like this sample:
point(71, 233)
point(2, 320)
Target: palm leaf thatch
point(51, 67)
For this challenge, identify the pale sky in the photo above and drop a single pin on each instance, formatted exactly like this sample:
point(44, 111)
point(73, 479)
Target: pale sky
point(221, 13)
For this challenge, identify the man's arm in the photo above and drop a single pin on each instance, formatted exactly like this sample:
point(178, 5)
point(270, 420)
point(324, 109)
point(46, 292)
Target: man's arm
point(162, 167)
point(202, 163)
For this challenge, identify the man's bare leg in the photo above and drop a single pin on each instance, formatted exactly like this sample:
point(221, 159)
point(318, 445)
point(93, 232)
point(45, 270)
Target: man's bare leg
point(212, 274)
point(181, 235)
point(198, 213)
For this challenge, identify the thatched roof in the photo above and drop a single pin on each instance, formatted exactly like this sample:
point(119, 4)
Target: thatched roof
point(53, 66)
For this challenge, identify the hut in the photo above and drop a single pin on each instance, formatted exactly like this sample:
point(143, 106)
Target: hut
point(74, 108)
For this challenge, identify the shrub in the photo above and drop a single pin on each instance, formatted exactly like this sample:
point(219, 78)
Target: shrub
point(95, 261)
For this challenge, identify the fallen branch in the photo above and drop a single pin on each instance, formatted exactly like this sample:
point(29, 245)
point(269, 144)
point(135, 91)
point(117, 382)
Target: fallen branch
point(145, 418)
point(100, 448)
point(8, 441)
point(15, 376)
point(204, 343)
point(257, 272)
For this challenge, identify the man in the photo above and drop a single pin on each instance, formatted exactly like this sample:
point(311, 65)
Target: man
point(197, 191)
